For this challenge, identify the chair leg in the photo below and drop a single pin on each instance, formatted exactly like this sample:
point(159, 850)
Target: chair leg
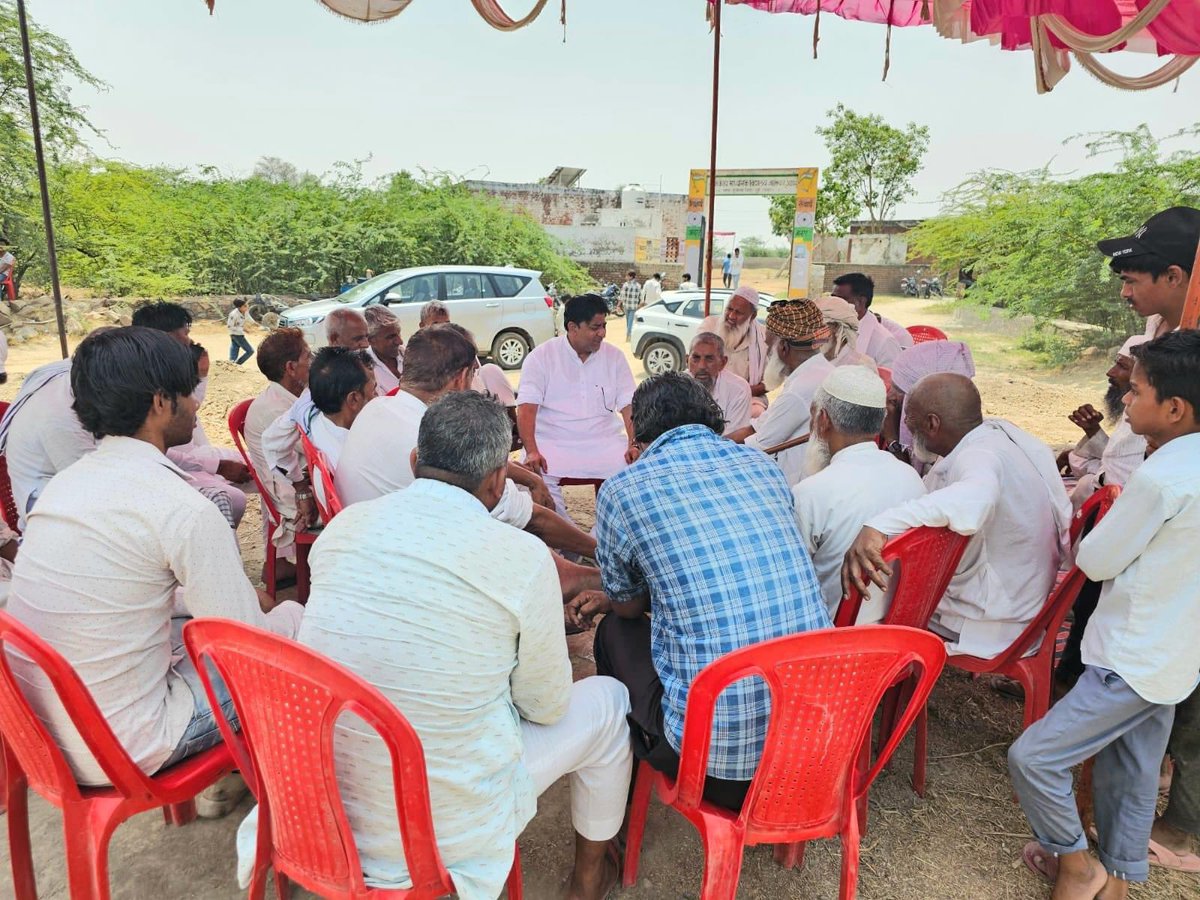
point(19, 845)
point(1037, 684)
point(85, 834)
point(283, 887)
point(515, 885)
point(850, 838)
point(921, 752)
point(180, 813)
point(271, 555)
point(790, 856)
point(864, 766)
point(723, 849)
point(638, 809)
point(302, 573)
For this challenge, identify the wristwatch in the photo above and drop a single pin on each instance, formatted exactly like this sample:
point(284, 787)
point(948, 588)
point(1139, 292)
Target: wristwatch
point(895, 448)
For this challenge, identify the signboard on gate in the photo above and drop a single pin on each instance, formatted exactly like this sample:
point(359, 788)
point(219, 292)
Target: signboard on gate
point(800, 183)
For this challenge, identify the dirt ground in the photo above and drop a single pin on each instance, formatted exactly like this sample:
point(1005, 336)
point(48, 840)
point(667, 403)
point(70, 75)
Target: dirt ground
point(962, 840)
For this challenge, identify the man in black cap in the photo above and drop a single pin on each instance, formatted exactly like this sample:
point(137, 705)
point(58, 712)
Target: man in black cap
point(1155, 265)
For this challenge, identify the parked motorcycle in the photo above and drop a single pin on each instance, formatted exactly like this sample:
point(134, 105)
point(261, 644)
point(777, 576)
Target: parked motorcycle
point(611, 294)
point(934, 289)
point(908, 286)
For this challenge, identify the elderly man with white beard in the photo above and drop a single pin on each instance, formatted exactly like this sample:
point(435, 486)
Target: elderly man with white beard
point(841, 349)
point(796, 362)
point(996, 484)
point(708, 364)
point(849, 479)
point(745, 343)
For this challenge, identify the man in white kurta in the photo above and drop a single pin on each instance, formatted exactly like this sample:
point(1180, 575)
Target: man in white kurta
point(745, 342)
point(574, 399)
point(997, 484)
point(459, 625)
point(879, 338)
point(387, 348)
point(707, 363)
point(849, 480)
point(876, 341)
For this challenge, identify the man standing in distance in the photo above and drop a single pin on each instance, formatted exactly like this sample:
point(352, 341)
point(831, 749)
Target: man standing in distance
point(745, 342)
point(631, 295)
point(574, 399)
point(735, 268)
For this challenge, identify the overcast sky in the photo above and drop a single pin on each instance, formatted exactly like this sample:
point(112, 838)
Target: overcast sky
point(626, 97)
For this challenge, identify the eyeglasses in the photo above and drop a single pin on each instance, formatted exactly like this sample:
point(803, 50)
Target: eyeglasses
point(796, 302)
point(604, 401)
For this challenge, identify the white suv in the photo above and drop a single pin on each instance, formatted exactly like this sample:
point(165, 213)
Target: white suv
point(663, 331)
point(507, 310)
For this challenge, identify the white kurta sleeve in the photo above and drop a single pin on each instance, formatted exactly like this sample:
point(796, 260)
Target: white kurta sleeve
point(281, 448)
point(737, 408)
point(541, 681)
point(1125, 532)
point(964, 506)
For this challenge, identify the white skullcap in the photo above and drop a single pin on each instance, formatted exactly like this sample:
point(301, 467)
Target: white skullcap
point(857, 385)
point(747, 293)
point(1131, 343)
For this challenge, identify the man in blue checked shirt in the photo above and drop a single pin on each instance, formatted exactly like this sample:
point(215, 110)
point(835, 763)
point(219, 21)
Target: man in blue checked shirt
point(700, 533)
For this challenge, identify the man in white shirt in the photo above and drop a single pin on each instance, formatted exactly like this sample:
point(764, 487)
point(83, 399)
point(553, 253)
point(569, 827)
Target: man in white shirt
point(387, 347)
point(800, 331)
point(1098, 458)
point(651, 291)
point(995, 483)
point(112, 538)
point(687, 284)
point(745, 342)
point(458, 625)
point(347, 328)
point(573, 401)
point(858, 290)
point(284, 358)
point(489, 378)
point(240, 349)
point(849, 480)
point(735, 268)
point(1140, 650)
point(341, 382)
point(707, 364)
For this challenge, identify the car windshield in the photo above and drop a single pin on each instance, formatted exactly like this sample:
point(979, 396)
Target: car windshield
point(368, 288)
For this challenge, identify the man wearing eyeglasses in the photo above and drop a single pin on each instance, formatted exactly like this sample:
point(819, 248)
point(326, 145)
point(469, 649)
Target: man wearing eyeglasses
point(573, 403)
point(796, 362)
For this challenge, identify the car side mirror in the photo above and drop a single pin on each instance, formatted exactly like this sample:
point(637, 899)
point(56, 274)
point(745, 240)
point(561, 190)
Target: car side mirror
point(392, 297)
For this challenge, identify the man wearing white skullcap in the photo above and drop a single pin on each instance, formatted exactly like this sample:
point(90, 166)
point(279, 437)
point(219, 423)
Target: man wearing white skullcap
point(849, 479)
point(1099, 458)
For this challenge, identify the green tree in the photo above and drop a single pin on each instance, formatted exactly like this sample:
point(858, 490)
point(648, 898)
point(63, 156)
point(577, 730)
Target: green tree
point(1029, 238)
point(836, 209)
point(63, 123)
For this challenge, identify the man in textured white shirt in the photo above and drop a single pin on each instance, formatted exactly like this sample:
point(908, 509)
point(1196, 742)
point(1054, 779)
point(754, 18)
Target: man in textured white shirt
point(746, 343)
point(341, 382)
point(1140, 648)
point(858, 290)
point(707, 364)
point(797, 363)
point(458, 624)
point(849, 479)
point(993, 482)
point(1098, 458)
point(573, 401)
point(387, 347)
point(111, 539)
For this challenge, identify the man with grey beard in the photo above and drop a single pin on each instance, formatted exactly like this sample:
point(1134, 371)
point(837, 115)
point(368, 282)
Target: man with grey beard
point(746, 343)
point(848, 479)
point(996, 484)
point(1099, 458)
point(708, 364)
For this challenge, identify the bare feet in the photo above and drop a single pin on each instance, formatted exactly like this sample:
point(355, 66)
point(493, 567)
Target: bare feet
point(1080, 877)
point(596, 870)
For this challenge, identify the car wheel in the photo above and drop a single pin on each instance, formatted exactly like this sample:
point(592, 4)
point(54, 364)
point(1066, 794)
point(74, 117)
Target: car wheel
point(509, 349)
point(661, 357)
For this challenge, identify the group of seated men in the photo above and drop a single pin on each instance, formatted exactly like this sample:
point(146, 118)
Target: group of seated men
point(442, 580)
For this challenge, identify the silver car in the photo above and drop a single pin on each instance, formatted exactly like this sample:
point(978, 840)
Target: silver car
point(507, 310)
point(663, 331)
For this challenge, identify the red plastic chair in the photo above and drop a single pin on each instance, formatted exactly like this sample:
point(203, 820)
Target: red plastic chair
point(329, 504)
point(812, 779)
point(8, 287)
point(304, 539)
point(922, 333)
point(8, 505)
point(90, 814)
point(885, 375)
point(393, 392)
point(288, 699)
point(928, 558)
point(1093, 510)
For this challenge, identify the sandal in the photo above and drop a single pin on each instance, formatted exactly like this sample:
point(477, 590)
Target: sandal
point(1039, 861)
point(1168, 859)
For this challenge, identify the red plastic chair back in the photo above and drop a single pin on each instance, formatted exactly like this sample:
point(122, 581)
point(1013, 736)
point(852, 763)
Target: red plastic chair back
point(922, 333)
point(288, 699)
point(825, 688)
point(393, 391)
point(329, 504)
point(8, 505)
point(1093, 510)
point(237, 429)
point(928, 559)
point(8, 287)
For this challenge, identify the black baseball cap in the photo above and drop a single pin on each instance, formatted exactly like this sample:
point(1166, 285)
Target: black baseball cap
point(1171, 235)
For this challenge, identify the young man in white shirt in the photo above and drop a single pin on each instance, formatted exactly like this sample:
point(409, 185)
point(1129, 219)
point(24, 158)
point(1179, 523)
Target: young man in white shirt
point(651, 291)
point(796, 363)
point(707, 364)
point(111, 540)
point(341, 382)
point(1140, 648)
point(574, 400)
point(735, 268)
point(849, 479)
point(687, 284)
point(240, 349)
point(996, 484)
point(457, 623)
point(879, 338)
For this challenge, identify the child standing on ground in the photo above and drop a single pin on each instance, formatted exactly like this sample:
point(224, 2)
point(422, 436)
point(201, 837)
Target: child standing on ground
point(236, 323)
point(1139, 649)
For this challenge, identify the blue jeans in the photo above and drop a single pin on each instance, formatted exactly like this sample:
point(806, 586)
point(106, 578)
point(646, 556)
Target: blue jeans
point(629, 314)
point(239, 342)
point(202, 732)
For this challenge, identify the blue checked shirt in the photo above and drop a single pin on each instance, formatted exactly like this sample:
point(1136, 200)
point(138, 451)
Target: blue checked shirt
point(706, 525)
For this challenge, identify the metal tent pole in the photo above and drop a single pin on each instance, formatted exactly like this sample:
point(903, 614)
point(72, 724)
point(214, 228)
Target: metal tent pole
point(1191, 307)
point(35, 123)
point(712, 159)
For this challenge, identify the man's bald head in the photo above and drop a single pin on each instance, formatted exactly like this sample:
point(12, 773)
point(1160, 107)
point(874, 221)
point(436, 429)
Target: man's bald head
point(942, 408)
point(347, 328)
